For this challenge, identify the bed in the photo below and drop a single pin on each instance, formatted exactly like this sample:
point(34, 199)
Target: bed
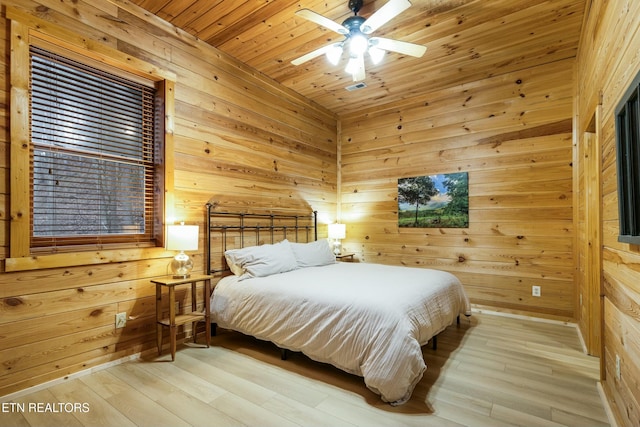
point(370, 320)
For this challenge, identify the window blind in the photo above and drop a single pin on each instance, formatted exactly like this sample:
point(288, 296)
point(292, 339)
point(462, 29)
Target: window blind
point(92, 134)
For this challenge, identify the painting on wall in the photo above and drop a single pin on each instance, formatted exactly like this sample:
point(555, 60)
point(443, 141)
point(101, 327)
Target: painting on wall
point(434, 201)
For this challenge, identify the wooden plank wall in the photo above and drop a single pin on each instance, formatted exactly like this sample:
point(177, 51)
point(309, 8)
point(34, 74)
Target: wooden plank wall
point(607, 62)
point(240, 140)
point(513, 134)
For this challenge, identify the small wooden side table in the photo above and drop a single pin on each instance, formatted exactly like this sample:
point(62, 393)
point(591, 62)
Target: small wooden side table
point(173, 321)
point(345, 257)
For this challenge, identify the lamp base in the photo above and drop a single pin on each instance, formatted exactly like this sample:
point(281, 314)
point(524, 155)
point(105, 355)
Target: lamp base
point(337, 247)
point(181, 266)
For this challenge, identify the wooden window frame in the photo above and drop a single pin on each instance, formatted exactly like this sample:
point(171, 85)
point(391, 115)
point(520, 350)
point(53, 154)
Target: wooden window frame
point(627, 116)
point(25, 31)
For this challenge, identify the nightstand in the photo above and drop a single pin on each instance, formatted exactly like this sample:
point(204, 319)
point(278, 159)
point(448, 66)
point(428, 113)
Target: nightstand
point(345, 257)
point(173, 321)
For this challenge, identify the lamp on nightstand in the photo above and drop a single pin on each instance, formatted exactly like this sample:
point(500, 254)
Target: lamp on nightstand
point(337, 232)
point(182, 238)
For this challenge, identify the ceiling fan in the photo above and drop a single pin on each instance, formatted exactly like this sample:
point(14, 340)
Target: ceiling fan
point(356, 30)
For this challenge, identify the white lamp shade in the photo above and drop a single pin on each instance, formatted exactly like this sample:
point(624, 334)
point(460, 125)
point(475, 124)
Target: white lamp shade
point(376, 55)
point(182, 237)
point(334, 53)
point(337, 231)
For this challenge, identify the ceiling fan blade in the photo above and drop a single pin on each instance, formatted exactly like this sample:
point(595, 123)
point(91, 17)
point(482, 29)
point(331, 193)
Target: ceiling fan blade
point(360, 75)
point(406, 48)
point(313, 54)
point(312, 16)
point(383, 15)
point(356, 68)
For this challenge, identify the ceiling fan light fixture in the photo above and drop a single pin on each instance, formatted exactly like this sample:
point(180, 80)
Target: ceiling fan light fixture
point(334, 53)
point(376, 54)
point(358, 44)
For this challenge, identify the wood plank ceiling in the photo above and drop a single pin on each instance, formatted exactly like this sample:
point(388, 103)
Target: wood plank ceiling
point(467, 40)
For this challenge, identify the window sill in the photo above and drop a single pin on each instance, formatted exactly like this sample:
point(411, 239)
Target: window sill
point(74, 259)
point(633, 240)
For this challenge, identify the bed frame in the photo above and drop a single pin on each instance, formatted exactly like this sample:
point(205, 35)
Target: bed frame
point(235, 229)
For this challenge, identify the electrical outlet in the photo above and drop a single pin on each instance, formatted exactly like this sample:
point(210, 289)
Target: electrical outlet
point(535, 291)
point(618, 373)
point(121, 320)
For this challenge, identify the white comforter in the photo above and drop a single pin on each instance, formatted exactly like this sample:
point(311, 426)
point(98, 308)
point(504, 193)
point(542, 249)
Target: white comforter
point(366, 319)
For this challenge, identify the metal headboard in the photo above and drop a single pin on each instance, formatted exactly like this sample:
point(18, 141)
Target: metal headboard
point(295, 227)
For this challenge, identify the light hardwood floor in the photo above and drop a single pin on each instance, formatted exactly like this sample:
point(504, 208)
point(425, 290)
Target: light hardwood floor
point(488, 371)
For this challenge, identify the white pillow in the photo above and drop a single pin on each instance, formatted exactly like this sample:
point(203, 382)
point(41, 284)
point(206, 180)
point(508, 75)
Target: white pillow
point(233, 264)
point(313, 254)
point(260, 261)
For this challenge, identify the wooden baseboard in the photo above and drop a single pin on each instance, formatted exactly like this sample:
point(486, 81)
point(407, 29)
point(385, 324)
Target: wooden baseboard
point(540, 317)
point(88, 371)
point(607, 407)
point(28, 390)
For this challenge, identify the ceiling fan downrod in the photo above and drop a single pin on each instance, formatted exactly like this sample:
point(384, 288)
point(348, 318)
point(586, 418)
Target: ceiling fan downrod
point(355, 6)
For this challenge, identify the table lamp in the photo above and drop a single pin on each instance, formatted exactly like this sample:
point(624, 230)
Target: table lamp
point(337, 232)
point(182, 238)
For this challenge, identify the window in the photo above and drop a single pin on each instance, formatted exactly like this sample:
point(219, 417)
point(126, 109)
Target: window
point(628, 162)
point(92, 160)
point(91, 180)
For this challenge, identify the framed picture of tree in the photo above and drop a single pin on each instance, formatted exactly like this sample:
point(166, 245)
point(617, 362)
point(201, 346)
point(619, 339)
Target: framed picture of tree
point(434, 201)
